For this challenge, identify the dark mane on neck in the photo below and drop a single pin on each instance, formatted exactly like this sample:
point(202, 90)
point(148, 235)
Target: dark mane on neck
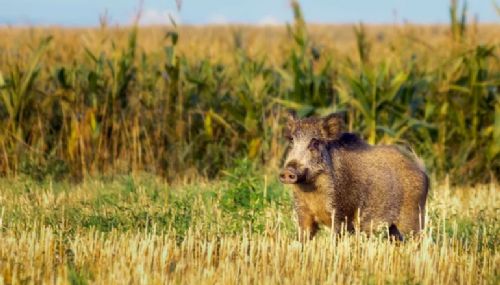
point(348, 141)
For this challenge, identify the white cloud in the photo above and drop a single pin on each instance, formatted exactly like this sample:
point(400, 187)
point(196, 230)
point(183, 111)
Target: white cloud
point(158, 17)
point(269, 21)
point(218, 19)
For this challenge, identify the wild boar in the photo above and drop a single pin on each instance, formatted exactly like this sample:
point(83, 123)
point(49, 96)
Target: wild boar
point(341, 181)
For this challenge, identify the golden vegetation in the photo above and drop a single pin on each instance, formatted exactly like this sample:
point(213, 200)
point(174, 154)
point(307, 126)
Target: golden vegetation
point(59, 244)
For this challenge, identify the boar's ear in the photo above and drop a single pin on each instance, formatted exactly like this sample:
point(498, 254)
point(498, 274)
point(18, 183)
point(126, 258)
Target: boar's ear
point(291, 118)
point(290, 123)
point(333, 125)
point(291, 115)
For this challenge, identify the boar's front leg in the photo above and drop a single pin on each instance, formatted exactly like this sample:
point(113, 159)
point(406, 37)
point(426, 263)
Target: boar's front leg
point(308, 227)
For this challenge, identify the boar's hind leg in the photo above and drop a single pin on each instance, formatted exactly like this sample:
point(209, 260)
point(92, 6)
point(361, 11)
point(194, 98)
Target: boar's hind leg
point(394, 233)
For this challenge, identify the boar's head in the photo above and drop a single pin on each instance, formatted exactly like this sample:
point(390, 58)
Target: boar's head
point(308, 156)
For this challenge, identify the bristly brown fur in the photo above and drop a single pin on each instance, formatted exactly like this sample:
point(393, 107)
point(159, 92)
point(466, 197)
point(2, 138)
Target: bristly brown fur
point(359, 185)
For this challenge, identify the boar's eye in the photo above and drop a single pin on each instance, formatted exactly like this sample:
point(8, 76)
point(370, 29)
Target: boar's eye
point(314, 144)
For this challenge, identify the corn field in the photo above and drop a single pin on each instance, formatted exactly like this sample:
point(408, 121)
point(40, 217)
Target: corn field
point(188, 101)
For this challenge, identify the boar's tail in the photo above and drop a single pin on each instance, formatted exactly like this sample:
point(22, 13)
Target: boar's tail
point(412, 155)
point(418, 160)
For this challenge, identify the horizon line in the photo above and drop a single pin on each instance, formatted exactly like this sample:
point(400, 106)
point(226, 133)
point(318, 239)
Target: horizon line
point(243, 24)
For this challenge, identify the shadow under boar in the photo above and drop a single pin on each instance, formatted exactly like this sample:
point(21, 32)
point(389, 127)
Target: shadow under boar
point(341, 181)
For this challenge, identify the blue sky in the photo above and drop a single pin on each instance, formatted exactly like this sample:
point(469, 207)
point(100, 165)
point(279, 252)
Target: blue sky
point(86, 12)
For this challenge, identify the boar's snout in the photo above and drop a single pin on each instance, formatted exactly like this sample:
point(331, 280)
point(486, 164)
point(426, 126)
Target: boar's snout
point(292, 174)
point(288, 176)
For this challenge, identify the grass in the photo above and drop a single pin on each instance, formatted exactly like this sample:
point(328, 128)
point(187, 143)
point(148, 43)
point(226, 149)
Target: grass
point(239, 229)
